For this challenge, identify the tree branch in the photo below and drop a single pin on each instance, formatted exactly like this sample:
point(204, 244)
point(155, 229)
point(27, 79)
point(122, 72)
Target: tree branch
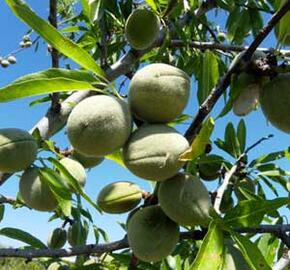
point(221, 190)
point(224, 81)
point(121, 244)
point(176, 43)
point(54, 53)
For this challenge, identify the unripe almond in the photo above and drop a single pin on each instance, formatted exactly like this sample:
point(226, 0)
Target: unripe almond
point(75, 169)
point(17, 150)
point(142, 28)
point(77, 234)
point(185, 199)
point(119, 197)
point(87, 161)
point(57, 238)
point(151, 234)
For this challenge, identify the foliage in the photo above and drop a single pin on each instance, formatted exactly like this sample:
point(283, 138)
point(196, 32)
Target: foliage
point(91, 33)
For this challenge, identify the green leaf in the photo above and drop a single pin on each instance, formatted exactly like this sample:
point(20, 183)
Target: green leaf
point(41, 86)
point(208, 76)
point(152, 4)
point(22, 236)
point(52, 73)
point(242, 135)
point(53, 37)
point(209, 256)
point(268, 245)
point(231, 141)
point(72, 182)
point(59, 189)
point(251, 212)
point(116, 157)
point(250, 252)
point(268, 158)
point(199, 143)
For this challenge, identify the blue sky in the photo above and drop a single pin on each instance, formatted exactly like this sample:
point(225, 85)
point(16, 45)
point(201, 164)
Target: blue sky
point(18, 114)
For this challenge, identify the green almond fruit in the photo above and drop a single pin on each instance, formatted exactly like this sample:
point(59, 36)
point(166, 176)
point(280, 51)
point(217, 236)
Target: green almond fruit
point(275, 101)
point(185, 200)
point(35, 193)
point(158, 93)
point(87, 162)
point(142, 29)
point(75, 169)
point(153, 151)
point(248, 87)
point(99, 125)
point(152, 236)
point(119, 197)
point(57, 238)
point(77, 234)
point(18, 150)
point(209, 167)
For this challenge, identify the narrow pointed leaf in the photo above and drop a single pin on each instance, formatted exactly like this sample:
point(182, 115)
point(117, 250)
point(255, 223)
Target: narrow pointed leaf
point(251, 212)
point(72, 182)
point(268, 245)
point(60, 191)
point(116, 157)
point(208, 76)
point(242, 135)
point(53, 37)
point(22, 236)
point(199, 143)
point(251, 252)
point(41, 86)
point(209, 256)
point(52, 73)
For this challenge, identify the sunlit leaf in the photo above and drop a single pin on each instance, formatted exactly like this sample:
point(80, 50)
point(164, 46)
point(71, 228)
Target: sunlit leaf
point(53, 37)
point(251, 252)
point(22, 236)
point(209, 256)
point(199, 143)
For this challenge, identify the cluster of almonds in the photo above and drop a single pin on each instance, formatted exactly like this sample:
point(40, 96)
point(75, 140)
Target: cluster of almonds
point(101, 125)
point(6, 62)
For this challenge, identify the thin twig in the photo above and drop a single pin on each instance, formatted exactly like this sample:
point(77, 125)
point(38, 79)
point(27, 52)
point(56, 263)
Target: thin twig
point(7, 200)
point(222, 188)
